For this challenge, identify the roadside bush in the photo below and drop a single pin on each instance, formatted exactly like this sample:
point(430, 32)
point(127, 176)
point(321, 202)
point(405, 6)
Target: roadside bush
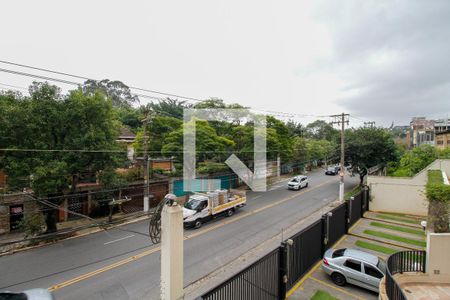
point(211, 168)
point(33, 225)
point(438, 194)
point(413, 161)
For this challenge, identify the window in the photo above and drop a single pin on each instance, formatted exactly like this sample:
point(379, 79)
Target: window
point(371, 271)
point(355, 265)
point(338, 253)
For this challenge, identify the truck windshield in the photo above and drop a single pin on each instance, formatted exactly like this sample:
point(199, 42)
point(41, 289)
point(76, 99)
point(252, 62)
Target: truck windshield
point(193, 204)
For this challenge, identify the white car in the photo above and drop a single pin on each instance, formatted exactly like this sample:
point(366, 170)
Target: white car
point(298, 182)
point(33, 294)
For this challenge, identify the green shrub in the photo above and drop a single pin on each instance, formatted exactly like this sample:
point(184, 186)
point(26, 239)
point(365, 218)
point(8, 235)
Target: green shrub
point(211, 168)
point(438, 194)
point(32, 224)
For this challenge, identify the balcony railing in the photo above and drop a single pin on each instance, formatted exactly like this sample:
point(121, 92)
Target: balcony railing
point(398, 263)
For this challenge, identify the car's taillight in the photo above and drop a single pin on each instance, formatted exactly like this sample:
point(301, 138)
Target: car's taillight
point(325, 261)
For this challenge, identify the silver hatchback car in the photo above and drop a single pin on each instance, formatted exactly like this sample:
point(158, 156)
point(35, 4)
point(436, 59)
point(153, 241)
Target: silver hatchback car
point(355, 267)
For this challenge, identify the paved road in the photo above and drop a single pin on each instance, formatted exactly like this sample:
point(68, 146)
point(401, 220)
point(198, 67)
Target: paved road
point(123, 264)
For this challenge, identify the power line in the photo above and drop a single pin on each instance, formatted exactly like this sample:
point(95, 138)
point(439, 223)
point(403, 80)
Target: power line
point(284, 114)
point(87, 78)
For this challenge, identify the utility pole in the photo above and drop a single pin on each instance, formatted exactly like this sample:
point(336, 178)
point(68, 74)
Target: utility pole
point(369, 124)
point(341, 119)
point(147, 173)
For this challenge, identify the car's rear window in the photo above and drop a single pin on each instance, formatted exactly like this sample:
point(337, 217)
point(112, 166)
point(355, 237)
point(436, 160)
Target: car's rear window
point(338, 253)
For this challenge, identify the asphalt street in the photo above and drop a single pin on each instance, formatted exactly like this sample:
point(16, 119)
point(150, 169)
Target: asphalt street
point(123, 264)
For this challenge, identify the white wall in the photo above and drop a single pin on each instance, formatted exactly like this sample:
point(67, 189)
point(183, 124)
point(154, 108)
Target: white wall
point(438, 249)
point(403, 194)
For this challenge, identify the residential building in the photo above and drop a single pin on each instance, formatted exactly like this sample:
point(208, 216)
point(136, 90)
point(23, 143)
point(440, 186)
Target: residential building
point(442, 139)
point(441, 125)
point(421, 131)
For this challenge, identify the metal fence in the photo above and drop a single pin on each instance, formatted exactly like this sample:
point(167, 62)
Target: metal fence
point(336, 225)
point(405, 261)
point(258, 281)
point(305, 251)
point(274, 274)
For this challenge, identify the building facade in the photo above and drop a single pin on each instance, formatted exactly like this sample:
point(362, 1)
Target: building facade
point(421, 132)
point(442, 139)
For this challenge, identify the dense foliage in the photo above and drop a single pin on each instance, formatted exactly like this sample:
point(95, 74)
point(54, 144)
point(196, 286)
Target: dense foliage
point(52, 142)
point(415, 160)
point(438, 194)
point(368, 147)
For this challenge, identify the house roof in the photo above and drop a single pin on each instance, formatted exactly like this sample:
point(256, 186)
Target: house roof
point(125, 133)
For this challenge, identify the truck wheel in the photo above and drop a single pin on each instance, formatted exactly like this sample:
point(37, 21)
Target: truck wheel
point(230, 212)
point(198, 224)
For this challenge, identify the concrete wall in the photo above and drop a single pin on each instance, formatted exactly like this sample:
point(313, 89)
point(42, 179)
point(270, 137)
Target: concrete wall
point(403, 194)
point(438, 249)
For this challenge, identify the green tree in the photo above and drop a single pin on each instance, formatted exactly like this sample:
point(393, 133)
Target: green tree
point(158, 129)
point(321, 130)
point(117, 91)
point(64, 135)
point(209, 145)
point(169, 107)
point(130, 117)
point(368, 147)
point(413, 161)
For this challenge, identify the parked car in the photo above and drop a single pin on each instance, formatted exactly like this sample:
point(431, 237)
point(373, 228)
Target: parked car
point(334, 170)
point(354, 267)
point(33, 294)
point(298, 182)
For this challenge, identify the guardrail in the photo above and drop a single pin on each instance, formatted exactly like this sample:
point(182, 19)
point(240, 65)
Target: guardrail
point(398, 263)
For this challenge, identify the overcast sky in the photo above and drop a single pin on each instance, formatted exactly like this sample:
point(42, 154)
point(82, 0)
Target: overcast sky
point(378, 60)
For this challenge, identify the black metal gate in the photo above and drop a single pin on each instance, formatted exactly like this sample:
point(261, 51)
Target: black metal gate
point(355, 208)
point(304, 252)
point(274, 274)
point(258, 281)
point(337, 225)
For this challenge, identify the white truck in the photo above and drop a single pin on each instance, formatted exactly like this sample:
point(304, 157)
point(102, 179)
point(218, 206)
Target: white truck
point(202, 207)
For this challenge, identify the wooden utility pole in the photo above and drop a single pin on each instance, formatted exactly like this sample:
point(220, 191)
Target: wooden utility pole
point(369, 124)
point(341, 119)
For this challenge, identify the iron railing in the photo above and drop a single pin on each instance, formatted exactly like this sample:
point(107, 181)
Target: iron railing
point(404, 261)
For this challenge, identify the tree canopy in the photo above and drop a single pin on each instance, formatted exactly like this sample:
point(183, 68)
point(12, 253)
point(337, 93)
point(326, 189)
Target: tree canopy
point(369, 147)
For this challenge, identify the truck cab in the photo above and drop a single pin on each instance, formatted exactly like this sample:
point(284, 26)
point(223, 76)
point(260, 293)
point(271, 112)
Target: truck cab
point(201, 208)
point(196, 211)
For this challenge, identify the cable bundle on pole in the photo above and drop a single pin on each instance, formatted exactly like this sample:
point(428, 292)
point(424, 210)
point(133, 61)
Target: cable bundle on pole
point(155, 221)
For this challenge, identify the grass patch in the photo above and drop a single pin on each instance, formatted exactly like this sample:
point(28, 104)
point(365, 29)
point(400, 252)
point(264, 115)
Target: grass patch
point(375, 247)
point(398, 219)
point(395, 238)
point(322, 295)
point(352, 193)
point(406, 216)
point(398, 228)
point(435, 176)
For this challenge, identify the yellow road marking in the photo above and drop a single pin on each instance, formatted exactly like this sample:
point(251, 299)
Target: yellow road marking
point(336, 288)
point(153, 250)
point(300, 282)
point(308, 275)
